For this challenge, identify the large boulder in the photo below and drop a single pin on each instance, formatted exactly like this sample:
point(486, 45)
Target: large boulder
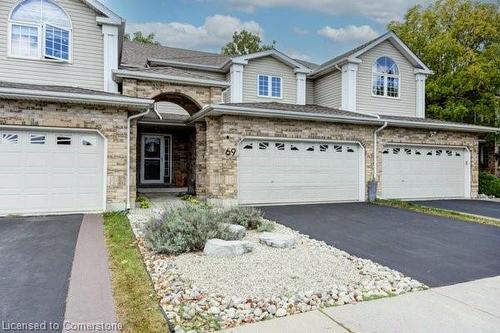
point(237, 229)
point(278, 240)
point(222, 248)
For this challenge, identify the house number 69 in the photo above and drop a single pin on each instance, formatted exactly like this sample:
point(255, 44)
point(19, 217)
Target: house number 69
point(230, 152)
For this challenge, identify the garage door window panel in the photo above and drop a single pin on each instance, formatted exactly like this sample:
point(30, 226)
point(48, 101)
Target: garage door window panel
point(9, 138)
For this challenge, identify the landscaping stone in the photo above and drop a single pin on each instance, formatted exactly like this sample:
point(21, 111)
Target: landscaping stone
point(278, 240)
point(237, 229)
point(222, 248)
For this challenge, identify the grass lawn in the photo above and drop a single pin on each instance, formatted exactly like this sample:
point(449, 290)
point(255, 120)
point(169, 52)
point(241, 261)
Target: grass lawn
point(438, 212)
point(135, 299)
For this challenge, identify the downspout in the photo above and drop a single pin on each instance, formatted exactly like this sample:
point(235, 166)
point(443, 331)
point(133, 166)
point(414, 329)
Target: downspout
point(373, 196)
point(129, 120)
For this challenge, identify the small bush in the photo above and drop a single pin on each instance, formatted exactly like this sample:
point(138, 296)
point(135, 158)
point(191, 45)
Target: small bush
point(266, 226)
point(190, 199)
point(248, 217)
point(489, 184)
point(185, 229)
point(143, 201)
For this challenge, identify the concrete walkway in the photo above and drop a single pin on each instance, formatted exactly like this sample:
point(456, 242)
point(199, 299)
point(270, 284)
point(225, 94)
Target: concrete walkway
point(90, 299)
point(461, 308)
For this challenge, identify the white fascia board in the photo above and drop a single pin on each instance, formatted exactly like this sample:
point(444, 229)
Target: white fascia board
point(221, 109)
point(99, 7)
point(120, 73)
point(276, 54)
point(65, 97)
point(447, 126)
point(180, 64)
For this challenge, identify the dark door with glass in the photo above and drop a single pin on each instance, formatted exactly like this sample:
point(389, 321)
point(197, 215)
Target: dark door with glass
point(153, 157)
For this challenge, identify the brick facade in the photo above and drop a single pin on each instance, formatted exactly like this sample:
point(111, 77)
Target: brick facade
point(217, 172)
point(110, 121)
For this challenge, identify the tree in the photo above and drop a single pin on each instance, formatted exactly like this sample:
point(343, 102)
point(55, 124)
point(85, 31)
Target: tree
point(138, 36)
point(245, 42)
point(460, 41)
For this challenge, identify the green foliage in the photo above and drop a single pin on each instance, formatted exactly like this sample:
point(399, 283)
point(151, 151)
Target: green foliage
point(248, 217)
point(185, 229)
point(190, 199)
point(143, 201)
point(266, 226)
point(460, 41)
point(138, 36)
point(245, 42)
point(489, 184)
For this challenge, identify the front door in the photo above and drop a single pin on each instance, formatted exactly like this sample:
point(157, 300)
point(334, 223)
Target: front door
point(153, 157)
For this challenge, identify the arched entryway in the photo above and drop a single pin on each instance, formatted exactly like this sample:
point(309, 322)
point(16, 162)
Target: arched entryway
point(166, 151)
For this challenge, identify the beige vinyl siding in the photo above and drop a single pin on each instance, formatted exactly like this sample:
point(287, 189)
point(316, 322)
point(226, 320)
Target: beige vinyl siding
point(309, 92)
point(87, 67)
point(273, 67)
point(226, 94)
point(328, 90)
point(365, 102)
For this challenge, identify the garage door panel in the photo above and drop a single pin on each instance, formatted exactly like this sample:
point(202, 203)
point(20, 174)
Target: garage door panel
point(273, 171)
point(42, 176)
point(436, 172)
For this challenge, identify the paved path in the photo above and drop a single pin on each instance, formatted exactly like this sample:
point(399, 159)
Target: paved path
point(434, 250)
point(90, 298)
point(463, 308)
point(488, 208)
point(36, 254)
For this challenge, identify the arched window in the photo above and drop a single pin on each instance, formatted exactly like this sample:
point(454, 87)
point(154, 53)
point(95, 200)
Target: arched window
point(40, 29)
point(385, 78)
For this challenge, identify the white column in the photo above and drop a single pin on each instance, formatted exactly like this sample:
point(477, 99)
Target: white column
point(301, 88)
point(237, 83)
point(420, 95)
point(349, 74)
point(110, 39)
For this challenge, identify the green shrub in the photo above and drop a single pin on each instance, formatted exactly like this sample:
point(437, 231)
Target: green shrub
point(185, 229)
point(143, 201)
point(248, 217)
point(266, 226)
point(190, 199)
point(489, 184)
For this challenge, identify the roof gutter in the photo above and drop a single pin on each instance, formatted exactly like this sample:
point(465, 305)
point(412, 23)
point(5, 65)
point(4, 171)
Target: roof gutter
point(448, 126)
point(123, 73)
point(58, 96)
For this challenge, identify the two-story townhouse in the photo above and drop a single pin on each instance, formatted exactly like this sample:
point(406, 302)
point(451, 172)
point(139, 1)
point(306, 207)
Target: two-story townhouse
point(257, 129)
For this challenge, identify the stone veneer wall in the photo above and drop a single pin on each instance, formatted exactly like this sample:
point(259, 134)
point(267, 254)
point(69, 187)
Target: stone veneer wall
point(150, 89)
point(110, 121)
point(217, 172)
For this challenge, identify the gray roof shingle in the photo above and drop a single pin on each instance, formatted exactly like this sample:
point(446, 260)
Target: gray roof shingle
point(167, 70)
point(53, 88)
point(137, 54)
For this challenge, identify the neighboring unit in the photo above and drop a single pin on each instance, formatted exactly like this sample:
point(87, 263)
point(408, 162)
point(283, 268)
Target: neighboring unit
point(87, 119)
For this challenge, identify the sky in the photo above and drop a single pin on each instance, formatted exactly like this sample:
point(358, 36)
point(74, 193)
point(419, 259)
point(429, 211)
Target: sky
point(312, 30)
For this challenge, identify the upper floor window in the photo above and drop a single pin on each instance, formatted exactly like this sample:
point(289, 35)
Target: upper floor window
point(40, 29)
point(269, 86)
point(385, 78)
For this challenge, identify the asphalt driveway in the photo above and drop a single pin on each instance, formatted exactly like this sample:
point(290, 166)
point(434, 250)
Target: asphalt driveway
point(436, 251)
point(476, 207)
point(36, 255)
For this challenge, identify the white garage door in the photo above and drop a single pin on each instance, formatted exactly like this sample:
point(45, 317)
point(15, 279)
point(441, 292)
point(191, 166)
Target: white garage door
point(50, 172)
point(273, 172)
point(424, 172)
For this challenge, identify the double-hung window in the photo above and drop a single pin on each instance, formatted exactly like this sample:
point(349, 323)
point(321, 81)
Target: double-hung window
point(269, 86)
point(40, 29)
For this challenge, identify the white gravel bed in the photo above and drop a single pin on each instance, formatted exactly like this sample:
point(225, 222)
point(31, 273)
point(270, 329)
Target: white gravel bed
point(209, 293)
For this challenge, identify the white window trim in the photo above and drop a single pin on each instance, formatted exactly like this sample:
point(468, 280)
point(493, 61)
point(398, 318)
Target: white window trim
point(41, 38)
point(270, 86)
point(399, 76)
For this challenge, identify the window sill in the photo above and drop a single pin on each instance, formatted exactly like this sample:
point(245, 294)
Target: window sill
point(270, 97)
point(55, 61)
point(386, 97)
